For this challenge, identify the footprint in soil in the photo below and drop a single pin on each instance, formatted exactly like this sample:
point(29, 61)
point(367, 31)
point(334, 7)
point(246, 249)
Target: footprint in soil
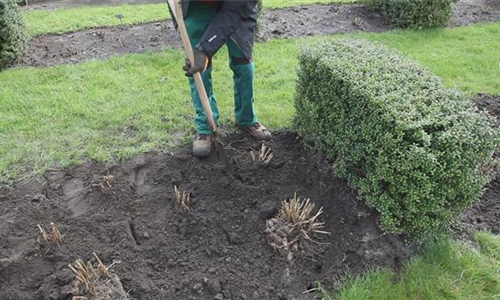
point(75, 192)
point(139, 175)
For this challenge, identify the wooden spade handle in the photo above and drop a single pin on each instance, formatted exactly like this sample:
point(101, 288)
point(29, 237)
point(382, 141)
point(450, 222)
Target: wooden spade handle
point(176, 7)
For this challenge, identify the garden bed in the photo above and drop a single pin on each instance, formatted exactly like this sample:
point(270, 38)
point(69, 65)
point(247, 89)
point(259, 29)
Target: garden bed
point(279, 23)
point(105, 42)
point(218, 247)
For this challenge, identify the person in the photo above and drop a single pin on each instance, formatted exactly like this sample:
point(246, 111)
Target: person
point(212, 24)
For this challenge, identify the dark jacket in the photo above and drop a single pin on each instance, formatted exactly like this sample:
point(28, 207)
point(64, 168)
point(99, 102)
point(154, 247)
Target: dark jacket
point(236, 19)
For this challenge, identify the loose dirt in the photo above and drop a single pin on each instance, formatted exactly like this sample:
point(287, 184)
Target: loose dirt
point(475, 11)
point(281, 23)
point(490, 104)
point(217, 250)
point(99, 44)
point(485, 215)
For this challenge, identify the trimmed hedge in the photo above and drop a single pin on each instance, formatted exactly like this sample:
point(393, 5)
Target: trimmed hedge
point(415, 13)
point(414, 150)
point(13, 33)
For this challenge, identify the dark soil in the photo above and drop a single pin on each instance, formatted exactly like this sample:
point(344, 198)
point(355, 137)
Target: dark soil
point(485, 215)
point(218, 250)
point(489, 104)
point(99, 43)
point(475, 11)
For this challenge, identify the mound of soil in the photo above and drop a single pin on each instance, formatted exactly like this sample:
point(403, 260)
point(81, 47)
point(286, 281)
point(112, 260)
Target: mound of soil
point(217, 250)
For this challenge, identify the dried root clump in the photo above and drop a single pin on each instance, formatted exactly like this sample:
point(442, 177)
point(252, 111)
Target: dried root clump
point(182, 199)
point(296, 230)
point(358, 22)
point(105, 182)
point(263, 156)
point(100, 34)
point(54, 237)
point(97, 283)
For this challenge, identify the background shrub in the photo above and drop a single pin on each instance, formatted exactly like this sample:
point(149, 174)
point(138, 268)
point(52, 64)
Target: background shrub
point(415, 13)
point(416, 151)
point(13, 33)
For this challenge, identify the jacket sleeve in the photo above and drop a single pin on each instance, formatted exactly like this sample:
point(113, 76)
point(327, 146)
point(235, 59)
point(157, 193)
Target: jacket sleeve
point(229, 18)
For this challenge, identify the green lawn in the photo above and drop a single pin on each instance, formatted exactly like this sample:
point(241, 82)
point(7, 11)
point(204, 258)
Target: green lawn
point(445, 270)
point(113, 109)
point(72, 19)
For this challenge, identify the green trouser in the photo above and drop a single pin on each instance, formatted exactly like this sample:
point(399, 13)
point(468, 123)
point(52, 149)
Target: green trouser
point(197, 20)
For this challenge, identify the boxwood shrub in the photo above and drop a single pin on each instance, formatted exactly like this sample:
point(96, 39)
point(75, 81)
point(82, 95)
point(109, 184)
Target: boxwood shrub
point(13, 33)
point(415, 13)
point(415, 151)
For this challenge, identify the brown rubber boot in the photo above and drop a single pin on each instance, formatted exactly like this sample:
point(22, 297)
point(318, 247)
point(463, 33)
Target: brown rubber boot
point(202, 145)
point(258, 132)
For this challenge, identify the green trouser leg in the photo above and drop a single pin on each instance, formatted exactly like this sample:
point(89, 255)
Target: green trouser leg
point(243, 77)
point(197, 20)
point(200, 119)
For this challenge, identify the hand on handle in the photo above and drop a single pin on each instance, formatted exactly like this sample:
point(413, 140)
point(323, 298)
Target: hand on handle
point(200, 63)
